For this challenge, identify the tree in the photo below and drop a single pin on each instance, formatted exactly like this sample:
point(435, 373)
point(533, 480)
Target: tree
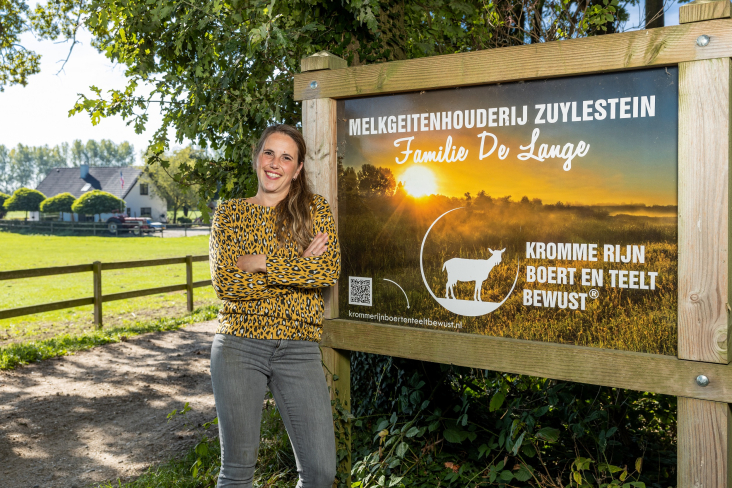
point(54, 20)
point(221, 72)
point(24, 199)
point(102, 153)
point(375, 181)
point(3, 198)
point(60, 203)
point(97, 202)
point(163, 180)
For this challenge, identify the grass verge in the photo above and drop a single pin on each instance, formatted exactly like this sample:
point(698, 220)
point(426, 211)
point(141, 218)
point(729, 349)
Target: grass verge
point(23, 353)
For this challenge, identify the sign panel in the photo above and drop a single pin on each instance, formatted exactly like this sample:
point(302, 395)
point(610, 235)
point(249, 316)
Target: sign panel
point(544, 210)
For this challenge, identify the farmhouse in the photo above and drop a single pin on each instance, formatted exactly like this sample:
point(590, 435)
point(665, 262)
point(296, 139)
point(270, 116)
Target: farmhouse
point(124, 182)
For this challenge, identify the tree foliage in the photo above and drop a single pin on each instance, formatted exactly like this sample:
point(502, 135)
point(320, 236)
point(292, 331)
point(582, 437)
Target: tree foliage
point(97, 202)
point(375, 181)
point(220, 72)
point(163, 181)
point(24, 199)
point(3, 198)
point(102, 153)
point(56, 20)
point(60, 203)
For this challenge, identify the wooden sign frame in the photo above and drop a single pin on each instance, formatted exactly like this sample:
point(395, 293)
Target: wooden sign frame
point(701, 47)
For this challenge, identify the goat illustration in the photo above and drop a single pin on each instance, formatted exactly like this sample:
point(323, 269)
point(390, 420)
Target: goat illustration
point(477, 270)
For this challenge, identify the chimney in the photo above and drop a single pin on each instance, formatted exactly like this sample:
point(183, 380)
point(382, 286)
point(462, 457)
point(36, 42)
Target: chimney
point(83, 171)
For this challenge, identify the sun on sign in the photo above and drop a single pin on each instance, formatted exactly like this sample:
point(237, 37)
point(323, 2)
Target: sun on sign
point(419, 181)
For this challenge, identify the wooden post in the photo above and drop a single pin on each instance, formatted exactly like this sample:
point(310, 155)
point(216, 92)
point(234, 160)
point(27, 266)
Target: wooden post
point(189, 282)
point(704, 275)
point(319, 130)
point(97, 272)
point(700, 10)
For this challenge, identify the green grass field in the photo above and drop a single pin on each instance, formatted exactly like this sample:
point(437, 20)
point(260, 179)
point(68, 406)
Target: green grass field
point(381, 238)
point(37, 251)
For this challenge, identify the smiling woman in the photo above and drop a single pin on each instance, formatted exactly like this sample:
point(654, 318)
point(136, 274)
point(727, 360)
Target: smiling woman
point(419, 181)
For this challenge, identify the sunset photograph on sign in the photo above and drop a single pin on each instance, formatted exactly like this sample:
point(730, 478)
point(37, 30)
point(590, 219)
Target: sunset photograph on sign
point(544, 210)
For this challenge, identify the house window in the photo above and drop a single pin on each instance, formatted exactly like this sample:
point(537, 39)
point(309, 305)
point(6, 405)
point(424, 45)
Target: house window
point(86, 187)
point(143, 189)
point(145, 212)
point(129, 212)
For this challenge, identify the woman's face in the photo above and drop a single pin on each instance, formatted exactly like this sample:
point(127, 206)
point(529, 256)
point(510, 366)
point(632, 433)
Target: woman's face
point(277, 164)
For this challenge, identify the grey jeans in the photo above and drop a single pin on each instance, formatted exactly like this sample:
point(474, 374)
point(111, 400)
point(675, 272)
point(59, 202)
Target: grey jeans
point(241, 369)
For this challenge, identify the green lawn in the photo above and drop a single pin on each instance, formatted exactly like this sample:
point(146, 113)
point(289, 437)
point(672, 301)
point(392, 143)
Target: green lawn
point(36, 251)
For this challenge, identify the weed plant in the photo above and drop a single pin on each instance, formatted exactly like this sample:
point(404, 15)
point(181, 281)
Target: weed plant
point(421, 425)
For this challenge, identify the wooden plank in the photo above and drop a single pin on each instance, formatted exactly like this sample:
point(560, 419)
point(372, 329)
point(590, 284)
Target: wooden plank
point(199, 284)
point(606, 367)
point(141, 293)
point(704, 158)
point(46, 307)
point(704, 429)
point(200, 259)
point(628, 50)
point(322, 60)
point(37, 272)
point(337, 366)
point(698, 11)
point(142, 264)
point(319, 130)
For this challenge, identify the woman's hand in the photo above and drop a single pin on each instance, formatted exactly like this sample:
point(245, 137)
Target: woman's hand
point(252, 263)
point(317, 247)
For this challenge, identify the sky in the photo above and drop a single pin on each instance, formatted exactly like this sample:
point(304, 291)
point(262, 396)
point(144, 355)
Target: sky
point(617, 160)
point(39, 112)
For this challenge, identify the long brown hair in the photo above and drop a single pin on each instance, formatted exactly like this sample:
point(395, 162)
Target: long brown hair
point(293, 219)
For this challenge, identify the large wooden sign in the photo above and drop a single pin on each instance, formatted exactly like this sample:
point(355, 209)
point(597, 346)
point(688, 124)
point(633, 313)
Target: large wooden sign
point(620, 145)
point(544, 210)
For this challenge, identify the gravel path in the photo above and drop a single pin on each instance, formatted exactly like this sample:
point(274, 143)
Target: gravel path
point(101, 414)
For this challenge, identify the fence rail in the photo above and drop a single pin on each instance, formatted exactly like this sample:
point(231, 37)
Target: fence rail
point(96, 269)
point(95, 228)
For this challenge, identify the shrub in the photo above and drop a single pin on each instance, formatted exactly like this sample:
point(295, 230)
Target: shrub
point(3, 197)
point(184, 220)
point(60, 203)
point(25, 199)
point(97, 202)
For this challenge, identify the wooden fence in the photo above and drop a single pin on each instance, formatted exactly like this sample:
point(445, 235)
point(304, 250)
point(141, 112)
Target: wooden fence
point(98, 299)
point(94, 228)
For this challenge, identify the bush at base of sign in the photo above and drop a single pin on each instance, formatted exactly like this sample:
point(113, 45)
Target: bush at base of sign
point(424, 424)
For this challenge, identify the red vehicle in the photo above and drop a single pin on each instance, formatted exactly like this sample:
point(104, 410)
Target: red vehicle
point(120, 223)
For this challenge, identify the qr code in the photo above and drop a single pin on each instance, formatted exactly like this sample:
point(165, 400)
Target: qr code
point(359, 291)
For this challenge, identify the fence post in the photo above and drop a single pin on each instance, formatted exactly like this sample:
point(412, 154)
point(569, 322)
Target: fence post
point(97, 272)
point(319, 131)
point(189, 282)
point(185, 230)
point(704, 429)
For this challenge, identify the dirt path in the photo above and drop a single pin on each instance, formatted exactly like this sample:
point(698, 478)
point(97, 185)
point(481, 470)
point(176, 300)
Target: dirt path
point(101, 414)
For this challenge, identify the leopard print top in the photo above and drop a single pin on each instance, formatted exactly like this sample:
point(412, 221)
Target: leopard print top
point(285, 302)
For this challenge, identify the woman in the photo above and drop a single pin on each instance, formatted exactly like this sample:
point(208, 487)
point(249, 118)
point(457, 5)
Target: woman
point(270, 255)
